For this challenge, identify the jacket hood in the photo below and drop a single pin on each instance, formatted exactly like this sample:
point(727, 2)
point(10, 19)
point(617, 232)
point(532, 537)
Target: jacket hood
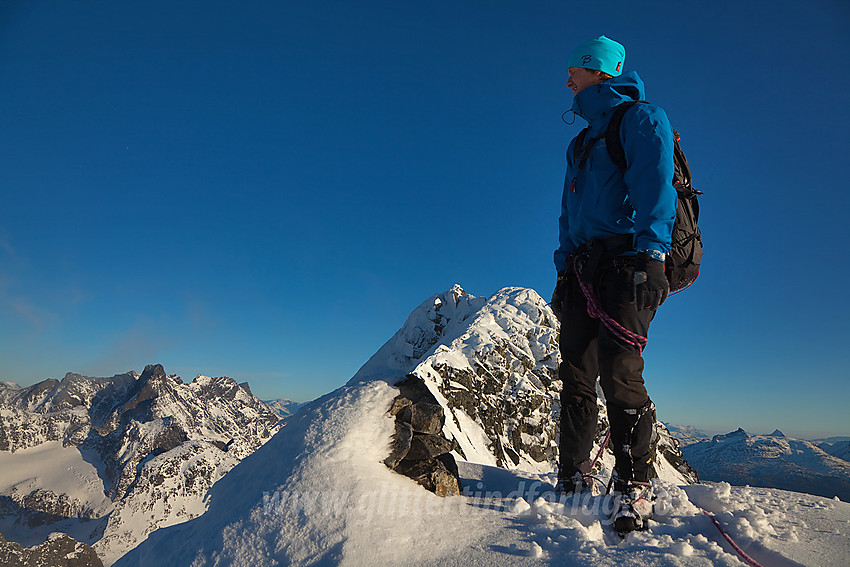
point(594, 103)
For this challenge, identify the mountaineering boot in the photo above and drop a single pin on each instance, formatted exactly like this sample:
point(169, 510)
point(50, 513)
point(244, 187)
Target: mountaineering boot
point(632, 506)
point(575, 484)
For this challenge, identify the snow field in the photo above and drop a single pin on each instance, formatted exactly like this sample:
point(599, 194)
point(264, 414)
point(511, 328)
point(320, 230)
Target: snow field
point(50, 466)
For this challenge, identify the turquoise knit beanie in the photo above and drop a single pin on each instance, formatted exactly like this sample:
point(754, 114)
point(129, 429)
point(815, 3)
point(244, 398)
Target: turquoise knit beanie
point(600, 54)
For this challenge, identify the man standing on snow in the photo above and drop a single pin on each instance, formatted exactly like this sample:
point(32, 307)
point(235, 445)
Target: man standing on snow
point(615, 232)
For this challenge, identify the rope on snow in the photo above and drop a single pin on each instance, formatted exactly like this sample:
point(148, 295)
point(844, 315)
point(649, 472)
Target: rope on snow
point(749, 560)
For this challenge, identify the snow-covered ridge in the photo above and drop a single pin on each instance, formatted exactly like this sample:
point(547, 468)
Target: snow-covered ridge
point(840, 449)
point(132, 452)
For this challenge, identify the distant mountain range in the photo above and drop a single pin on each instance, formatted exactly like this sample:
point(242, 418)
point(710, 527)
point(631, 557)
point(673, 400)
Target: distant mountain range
point(772, 461)
point(109, 460)
point(686, 434)
point(283, 407)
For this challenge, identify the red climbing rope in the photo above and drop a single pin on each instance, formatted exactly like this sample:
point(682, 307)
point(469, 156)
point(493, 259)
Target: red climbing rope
point(749, 560)
point(594, 309)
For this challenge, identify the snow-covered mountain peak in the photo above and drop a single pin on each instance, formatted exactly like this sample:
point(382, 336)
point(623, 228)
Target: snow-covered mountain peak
point(73, 390)
point(219, 387)
point(734, 436)
point(431, 322)
point(493, 364)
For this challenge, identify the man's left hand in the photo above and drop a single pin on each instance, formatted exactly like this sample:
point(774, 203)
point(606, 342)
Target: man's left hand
point(649, 286)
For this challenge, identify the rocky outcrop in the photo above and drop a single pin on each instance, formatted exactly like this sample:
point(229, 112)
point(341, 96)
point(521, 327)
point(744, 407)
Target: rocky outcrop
point(492, 364)
point(418, 449)
point(59, 550)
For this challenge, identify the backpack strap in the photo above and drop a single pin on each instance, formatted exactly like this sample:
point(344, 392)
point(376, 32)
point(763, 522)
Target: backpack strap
point(577, 147)
point(581, 149)
point(612, 134)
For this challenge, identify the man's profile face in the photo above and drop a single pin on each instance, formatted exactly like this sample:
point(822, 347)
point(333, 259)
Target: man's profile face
point(581, 78)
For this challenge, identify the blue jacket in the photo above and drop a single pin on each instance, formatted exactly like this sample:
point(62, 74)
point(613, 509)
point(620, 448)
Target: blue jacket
point(599, 201)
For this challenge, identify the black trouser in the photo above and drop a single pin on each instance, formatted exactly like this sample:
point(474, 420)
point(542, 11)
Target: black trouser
point(588, 350)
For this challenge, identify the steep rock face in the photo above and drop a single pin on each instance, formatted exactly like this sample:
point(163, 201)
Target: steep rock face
point(55, 410)
point(162, 412)
point(771, 461)
point(140, 451)
point(493, 364)
point(169, 489)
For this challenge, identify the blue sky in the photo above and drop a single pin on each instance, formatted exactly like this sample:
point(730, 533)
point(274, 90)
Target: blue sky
point(265, 190)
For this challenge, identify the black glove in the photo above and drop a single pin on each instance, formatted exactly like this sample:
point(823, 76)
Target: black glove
point(559, 294)
point(649, 286)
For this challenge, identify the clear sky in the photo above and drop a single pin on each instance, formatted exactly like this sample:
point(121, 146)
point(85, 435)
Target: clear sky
point(266, 189)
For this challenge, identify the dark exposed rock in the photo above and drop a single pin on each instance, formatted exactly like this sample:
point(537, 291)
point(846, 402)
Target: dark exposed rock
point(424, 417)
point(60, 550)
point(424, 447)
point(399, 403)
point(415, 390)
point(433, 475)
point(419, 450)
point(451, 465)
point(51, 506)
point(400, 444)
